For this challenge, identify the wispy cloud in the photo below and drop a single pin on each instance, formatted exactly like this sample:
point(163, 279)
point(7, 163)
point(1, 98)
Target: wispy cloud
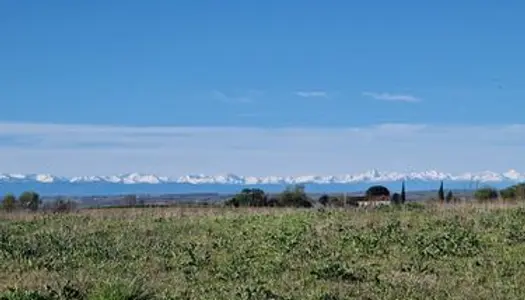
point(89, 149)
point(392, 97)
point(248, 96)
point(312, 94)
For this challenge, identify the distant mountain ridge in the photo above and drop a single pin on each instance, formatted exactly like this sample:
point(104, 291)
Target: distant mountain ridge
point(232, 179)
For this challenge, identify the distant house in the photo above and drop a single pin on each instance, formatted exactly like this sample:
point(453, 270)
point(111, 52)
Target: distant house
point(373, 203)
point(375, 195)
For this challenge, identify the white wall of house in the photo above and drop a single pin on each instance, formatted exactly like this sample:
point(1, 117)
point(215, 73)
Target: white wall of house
point(373, 203)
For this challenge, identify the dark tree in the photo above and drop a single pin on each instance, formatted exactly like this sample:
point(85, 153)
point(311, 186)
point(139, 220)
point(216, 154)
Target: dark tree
point(508, 193)
point(9, 202)
point(324, 200)
point(377, 192)
point(272, 202)
point(449, 197)
point(295, 196)
point(486, 194)
point(514, 192)
point(249, 197)
point(233, 202)
point(441, 193)
point(403, 193)
point(30, 200)
point(396, 199)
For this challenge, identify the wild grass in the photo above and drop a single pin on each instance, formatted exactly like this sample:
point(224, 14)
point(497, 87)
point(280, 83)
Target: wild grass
point(411, 252)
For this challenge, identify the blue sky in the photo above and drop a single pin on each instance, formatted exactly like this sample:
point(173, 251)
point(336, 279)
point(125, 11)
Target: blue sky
point(447, 73)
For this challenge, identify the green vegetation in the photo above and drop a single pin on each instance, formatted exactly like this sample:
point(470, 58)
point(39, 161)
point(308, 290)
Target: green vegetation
point(30, 200)
point(294, 196)
point(486, 194)
point(9, 203)
point(514, 192)
point(450, 197)
point(246, 249)
point(441, 193)
point(377, 192)
point(403, 194)
point(412, 251)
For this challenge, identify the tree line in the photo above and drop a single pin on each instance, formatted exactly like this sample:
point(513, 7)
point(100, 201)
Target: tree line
point(31, 201)
point(292, 196)
point(296, 197)
point(515, 192)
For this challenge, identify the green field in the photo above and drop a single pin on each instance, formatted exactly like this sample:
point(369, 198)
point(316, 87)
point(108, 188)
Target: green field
point(410, 252)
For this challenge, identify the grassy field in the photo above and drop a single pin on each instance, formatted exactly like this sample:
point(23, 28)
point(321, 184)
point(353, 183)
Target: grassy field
point(462, 252)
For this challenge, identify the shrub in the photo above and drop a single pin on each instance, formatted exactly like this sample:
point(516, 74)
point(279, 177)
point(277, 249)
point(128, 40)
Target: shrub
point(486, 194)
point(249, 197)
point(9, 202)
point(450, 197)
point(324, 200)
point(514, 192)
point(396, 199)
point(30, 200)
point(333, 201)
point(295, 196)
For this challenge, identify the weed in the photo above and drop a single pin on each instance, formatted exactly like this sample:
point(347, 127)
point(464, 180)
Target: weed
point(405, 252)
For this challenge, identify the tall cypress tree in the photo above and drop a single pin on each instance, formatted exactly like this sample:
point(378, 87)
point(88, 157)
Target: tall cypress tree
point(441, 193)
point(403, 194)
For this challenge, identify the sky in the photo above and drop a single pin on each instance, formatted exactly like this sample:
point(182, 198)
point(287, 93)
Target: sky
point(261, 87)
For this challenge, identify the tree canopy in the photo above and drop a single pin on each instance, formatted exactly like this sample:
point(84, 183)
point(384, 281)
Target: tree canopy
point(516, 191)
point(30, 200)
point(9, 202)
point(377, 191)
point(249, 197)
point(486, 193)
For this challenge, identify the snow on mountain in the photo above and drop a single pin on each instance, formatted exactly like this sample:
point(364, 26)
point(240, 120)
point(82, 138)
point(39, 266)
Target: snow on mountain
point(139, 178)
point(45, 178)
point(369, 176)
point(131, 178)
point(85, 179)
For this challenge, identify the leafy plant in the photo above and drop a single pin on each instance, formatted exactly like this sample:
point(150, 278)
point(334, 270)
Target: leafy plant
point(30, 200)
point(9, 203)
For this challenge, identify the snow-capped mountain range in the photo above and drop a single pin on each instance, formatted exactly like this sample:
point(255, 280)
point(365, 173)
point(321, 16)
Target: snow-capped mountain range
point(369, 176)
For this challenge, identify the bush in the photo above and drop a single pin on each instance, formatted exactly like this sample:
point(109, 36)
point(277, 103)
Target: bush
point(450, 197)
point(332, 201)
point(324, 200)
point(9, 202)
point(486, 194)
point(295, 197)
point(396, 199)
point(249, 197)
point(514, 192)
point(30, 200)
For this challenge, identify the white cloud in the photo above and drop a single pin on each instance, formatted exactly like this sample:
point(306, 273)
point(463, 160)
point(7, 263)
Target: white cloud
point(104, 150)
point(392, 97)
point(312, 94)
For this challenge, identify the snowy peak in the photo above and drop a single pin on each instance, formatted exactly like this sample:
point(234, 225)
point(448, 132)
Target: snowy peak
point(232, 179)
